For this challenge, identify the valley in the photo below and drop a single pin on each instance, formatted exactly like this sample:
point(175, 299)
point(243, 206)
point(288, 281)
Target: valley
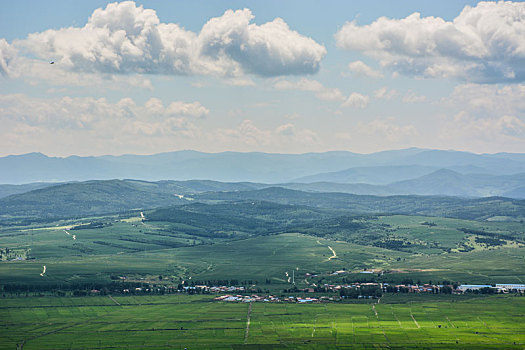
point(209, 264)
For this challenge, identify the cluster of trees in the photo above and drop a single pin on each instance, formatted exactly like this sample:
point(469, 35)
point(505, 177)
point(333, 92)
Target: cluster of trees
point(488, 234)
point(489, 241)
point(92, 225)
point(81, 289)
point(363, 291)
point(393, 244)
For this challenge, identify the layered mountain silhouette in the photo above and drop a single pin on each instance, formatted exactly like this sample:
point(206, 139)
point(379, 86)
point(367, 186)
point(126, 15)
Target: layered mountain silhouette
point(408, 171)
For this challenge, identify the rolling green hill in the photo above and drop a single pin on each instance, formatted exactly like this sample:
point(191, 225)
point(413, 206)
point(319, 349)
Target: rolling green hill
point(113, 196)
point(480, 208)
point(87, 198)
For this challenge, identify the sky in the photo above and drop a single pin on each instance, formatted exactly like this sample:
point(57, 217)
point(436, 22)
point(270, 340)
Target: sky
point(99, 77)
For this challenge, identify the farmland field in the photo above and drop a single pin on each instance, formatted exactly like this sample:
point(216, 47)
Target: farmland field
point(196, 322)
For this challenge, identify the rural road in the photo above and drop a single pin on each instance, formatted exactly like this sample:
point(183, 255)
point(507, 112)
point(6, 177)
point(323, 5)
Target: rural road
point(334, 254)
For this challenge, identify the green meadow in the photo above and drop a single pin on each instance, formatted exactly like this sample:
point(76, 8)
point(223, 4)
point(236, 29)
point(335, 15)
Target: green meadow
point(197, 322)
point(403, 247)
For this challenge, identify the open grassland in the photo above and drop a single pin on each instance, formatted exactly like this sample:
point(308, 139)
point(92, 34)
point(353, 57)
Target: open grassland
point(195, 322)
point(92, 250)
point(265, 258)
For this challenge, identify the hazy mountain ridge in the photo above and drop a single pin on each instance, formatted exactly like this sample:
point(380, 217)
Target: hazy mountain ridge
point(451, 183)
point(255, 166)
point(399, 172)
point(441, 182)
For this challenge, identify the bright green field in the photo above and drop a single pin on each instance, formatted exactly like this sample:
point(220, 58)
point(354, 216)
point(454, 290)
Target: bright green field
point(194, 322)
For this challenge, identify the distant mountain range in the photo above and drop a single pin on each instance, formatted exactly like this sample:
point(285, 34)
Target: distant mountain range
point(408, 171)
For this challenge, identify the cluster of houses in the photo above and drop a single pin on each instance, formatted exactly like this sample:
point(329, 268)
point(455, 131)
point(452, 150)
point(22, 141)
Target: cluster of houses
point(216, 289)
point(430, 288)
point(500, 288)
point(270, 299)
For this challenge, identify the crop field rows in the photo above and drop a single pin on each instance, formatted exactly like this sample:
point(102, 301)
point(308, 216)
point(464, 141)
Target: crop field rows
point(194, 322)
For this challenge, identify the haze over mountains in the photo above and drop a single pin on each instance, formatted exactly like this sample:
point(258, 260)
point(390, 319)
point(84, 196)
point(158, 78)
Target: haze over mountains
point(408, 171)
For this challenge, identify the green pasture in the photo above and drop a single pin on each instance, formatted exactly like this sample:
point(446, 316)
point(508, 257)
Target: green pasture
point(270, 258)
point(126, 246)
point(196, 322)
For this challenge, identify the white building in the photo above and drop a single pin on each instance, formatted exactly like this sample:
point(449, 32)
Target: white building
point(509, 286)
point(465, 287)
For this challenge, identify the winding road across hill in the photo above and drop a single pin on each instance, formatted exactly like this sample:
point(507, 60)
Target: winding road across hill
point(334, 254)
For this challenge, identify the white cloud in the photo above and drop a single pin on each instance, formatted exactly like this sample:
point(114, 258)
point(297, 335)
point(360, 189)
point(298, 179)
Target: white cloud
point(488, 128)
point(356, 100)
point(247, 134)
point(125, 38)
point(36, 71)
point(488, 100)
point(487, 113)
point(85, 125)
point(294, 134)
point(412, 97)
point(322, 92)
point(382, 129)
point(97, 114)
point(482, 44)
point(385, 94)
point(292, 116)
point(194, 109)
point(362, 69)
point(286, 129)
point(7, 53)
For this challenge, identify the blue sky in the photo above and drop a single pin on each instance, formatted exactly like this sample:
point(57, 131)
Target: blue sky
point(289, 77)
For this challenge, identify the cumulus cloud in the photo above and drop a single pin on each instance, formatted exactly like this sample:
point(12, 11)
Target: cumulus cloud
point(482, 44)
point(412, 97)
point(125, 38)
point(356, 100)
point(322, 92)
point(290, 131)
point(248, 134)
point(286, 129)
point(506, 125)
point(99, 114)
point(386, 130)
point(7, 53)
point(385, 94)
point(486, 100)
point(85, 125)
point(487, 112)
point(362, 69)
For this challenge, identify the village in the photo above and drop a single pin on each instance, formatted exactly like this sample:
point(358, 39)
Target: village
point(315, 293)
point(368, 290)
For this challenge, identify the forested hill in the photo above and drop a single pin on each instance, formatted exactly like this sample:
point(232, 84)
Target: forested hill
point(479, 208)
point(113, 196)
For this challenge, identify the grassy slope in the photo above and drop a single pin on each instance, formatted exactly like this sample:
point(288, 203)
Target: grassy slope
point(255, 258)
